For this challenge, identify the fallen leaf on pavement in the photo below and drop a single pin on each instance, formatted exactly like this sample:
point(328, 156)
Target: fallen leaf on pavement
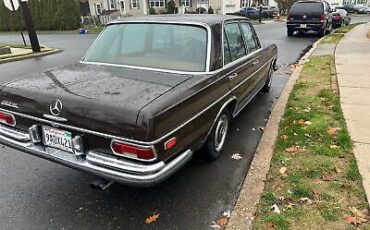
point(151, 218)
point(222, 221)
point(215, 226)
point(236, 156)
point(283, 170)
point(226, 214)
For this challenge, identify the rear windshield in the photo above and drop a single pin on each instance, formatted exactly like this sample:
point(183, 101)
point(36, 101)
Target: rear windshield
point(163, 46)
point(306, 7)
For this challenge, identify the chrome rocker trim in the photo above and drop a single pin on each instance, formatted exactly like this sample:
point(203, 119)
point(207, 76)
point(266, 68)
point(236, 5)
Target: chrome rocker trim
point(109, 167)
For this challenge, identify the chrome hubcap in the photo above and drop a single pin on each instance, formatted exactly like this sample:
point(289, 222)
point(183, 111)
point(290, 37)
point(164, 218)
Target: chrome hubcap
point(221, 131)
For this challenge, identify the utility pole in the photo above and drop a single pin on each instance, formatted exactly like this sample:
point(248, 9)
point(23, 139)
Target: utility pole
point(30, 26)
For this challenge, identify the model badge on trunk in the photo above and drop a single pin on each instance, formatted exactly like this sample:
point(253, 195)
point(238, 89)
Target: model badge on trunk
point(56, 107)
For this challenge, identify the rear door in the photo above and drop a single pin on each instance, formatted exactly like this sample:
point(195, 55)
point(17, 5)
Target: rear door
point(242, 62)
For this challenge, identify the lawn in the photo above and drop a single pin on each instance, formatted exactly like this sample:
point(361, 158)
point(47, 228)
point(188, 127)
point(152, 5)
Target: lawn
point(313, 182)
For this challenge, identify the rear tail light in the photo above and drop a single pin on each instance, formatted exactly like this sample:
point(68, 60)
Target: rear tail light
point(133, 151)
point(7, 118)
point(288, 18)
point(322, 18)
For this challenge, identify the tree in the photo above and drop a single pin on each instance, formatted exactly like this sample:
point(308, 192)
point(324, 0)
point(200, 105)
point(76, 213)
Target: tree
point(67, 16)
point(284, 5)
point(171, 7)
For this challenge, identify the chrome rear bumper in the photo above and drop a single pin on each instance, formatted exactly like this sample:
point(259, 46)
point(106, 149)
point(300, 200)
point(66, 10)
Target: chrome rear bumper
point(100, 164)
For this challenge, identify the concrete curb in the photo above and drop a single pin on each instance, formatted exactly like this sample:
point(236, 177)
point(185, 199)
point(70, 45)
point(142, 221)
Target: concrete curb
point(246, 206)
point(32, 55)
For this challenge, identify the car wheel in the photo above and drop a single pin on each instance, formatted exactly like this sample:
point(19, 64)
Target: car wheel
point(266, 88)
point(290, 32)
point(215, 142)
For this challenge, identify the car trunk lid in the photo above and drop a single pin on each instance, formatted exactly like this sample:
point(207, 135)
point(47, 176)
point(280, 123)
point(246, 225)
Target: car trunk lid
point(99, 98)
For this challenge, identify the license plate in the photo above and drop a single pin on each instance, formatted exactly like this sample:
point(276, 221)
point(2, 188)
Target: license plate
point(303, 25)
point(57, 138)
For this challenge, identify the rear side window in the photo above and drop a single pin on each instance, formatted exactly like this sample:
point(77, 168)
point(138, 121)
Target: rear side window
point(235, 41)
point(249, 37)
point(304, 7)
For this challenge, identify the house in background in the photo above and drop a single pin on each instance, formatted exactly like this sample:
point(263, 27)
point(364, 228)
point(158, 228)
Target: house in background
point(107, 10)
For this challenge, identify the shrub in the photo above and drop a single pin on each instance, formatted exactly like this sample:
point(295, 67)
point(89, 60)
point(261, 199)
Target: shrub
point(200, 10)
point(151, 11)
point(210, 10)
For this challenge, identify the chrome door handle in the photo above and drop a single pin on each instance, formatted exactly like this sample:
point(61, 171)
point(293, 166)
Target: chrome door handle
point(255, 62)
point(232, 76)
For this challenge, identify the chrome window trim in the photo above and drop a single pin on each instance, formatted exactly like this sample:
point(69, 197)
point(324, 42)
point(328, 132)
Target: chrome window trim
point(200, 24)
point(222, 38)
point(130, 141)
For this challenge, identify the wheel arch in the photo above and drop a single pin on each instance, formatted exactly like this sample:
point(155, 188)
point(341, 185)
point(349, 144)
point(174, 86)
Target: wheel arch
point(230, 105)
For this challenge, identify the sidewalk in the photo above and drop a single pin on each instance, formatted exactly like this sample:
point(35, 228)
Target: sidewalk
point(352, 59)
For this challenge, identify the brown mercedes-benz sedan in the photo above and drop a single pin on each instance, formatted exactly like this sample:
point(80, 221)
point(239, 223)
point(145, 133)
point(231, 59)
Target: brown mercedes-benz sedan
point(148, 93)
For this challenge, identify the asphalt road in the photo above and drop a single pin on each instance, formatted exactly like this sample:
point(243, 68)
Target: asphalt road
point(37, 194)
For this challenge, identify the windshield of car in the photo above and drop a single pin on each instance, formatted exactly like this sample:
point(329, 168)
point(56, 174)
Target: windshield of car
point(304, 7)
point(164, 46)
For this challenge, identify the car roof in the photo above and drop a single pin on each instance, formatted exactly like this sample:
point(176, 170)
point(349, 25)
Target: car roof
point(189, 18)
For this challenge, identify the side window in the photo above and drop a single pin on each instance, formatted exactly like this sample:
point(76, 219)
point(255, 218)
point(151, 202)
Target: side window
point(249, 36)
point(235, 41)
point(227, 55)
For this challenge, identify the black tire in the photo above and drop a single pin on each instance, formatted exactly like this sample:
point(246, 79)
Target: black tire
point(322, 32)
point(289, 32)
point(266, 88)
point(213, 146)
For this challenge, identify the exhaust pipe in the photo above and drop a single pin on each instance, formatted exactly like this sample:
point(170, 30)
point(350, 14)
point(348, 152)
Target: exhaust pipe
point(101, 184)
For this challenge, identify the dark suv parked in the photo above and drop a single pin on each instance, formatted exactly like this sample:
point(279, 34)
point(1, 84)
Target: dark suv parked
point(309, 15)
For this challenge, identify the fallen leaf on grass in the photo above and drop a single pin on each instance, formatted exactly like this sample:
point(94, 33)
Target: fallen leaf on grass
point(271, 225)
point(308, 123)
point(151, 218)
point(289, 206)
point(305, 200)
point(334, 146)
point(357, 212)
point(292, 149)
point(283, 170)
point(222, 221)
point(301, 121)
point(274, 208)
point(332, 131)
point(355, 220)
point(236, 156)
point(284, 137)
point(327, 177)
point(337, 169)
